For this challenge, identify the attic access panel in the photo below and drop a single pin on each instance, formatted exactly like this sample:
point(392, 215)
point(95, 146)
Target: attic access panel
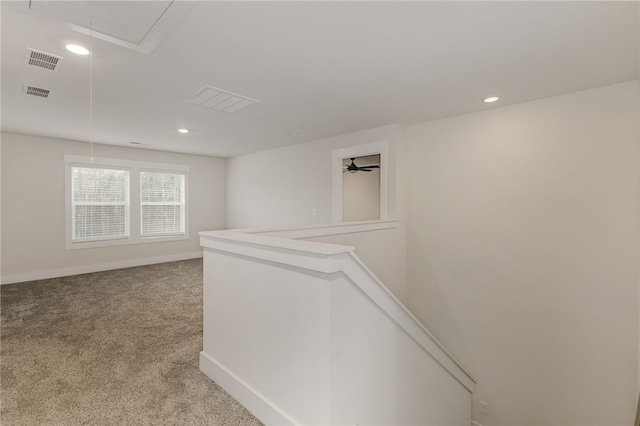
point(137, 25)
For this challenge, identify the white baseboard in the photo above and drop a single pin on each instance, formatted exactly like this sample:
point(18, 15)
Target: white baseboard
point(257, 404)
point(98, 267)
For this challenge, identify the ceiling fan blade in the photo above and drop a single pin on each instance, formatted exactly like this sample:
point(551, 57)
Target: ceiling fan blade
point(353, 167)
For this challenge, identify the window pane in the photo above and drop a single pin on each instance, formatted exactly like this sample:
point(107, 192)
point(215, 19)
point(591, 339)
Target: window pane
point(161, 187)
point(161, 220)
point(163, 203)
point(99, 185)
point(99, 223)
point(100, 204)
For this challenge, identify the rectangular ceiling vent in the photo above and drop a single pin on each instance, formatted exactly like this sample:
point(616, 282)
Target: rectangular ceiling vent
point(44, 60)
point(222, 100)
point(36, 91)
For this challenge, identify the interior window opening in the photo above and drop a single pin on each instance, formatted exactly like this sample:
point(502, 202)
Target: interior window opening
point(361, 188)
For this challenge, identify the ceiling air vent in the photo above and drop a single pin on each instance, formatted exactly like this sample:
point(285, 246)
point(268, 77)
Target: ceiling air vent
point(43, 59)
point(36, 91)
point(222, 100)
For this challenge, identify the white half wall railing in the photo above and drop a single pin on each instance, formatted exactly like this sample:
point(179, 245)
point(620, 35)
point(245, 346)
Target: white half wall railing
point(302, 332)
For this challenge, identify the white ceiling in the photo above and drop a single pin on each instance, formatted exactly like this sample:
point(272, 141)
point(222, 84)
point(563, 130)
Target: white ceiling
point(318, 69)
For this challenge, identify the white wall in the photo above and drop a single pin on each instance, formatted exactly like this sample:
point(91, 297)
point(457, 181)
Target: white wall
point(523, 253)
point(33, 197)
point(383, 251)
point(305, 329)
point(280, 187)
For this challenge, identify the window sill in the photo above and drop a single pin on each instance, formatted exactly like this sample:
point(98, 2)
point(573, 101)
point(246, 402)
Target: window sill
point(124, 242)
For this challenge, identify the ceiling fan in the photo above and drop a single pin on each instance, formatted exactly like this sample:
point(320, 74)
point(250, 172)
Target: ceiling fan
point(353, 168)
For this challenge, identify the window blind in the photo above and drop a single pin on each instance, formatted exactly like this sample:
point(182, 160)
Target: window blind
point(100, 203)
point(162, 200)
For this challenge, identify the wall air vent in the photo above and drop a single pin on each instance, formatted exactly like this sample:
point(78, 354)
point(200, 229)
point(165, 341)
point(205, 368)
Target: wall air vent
point(222, 100)
point(44, 60)
point(36, 91)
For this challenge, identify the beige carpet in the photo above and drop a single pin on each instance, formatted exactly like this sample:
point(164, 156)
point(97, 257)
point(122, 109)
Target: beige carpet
point(110, 348)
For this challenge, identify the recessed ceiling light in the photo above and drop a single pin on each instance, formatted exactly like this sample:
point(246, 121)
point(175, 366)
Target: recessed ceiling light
point(78, 50)
point(183, 130)
point(491, 99)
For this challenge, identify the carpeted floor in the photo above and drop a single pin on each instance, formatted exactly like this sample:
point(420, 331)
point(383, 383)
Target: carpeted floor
point(110, 348)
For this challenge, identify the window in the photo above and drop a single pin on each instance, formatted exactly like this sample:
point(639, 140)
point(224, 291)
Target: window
point(100, 204)
point(162, 200)
point(115, 202)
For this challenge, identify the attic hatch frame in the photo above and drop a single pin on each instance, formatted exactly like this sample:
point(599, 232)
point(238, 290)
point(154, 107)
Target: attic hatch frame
point(338, 155)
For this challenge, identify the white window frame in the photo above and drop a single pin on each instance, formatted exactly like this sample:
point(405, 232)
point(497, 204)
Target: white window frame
point(135, 209)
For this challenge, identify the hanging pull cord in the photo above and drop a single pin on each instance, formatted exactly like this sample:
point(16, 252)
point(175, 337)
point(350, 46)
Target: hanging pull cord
point(91, 88)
